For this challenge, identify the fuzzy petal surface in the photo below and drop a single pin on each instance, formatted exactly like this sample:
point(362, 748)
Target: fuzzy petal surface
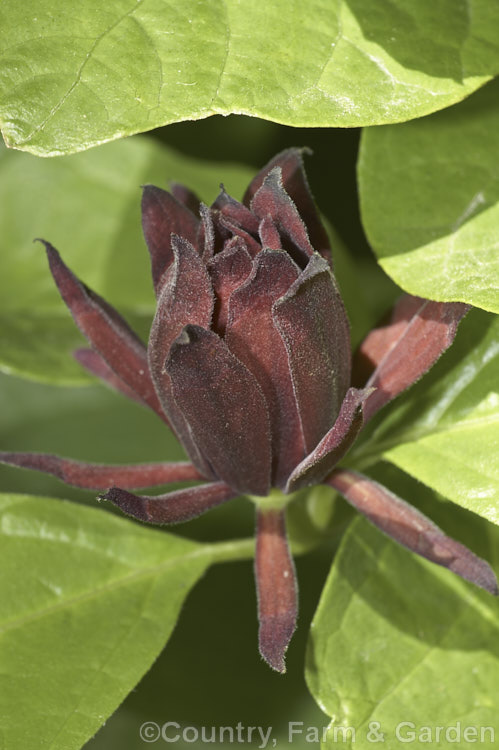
point(410, 528)
point(162, 216)
point(225, 408)
point(397, 354)
point(272, 200)
point(312, 321)
point(252, 336)
point(334, 445)
point(186, 297)
point(107, 332)
point(276, 587)
point(101, 476)
point(174, 507)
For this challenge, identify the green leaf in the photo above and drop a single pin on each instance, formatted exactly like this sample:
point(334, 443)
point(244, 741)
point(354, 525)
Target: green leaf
point(88, 206)
point(88, 602)
point(75, 75)
point(396, 639)
point(429, 194)
point(445, 431)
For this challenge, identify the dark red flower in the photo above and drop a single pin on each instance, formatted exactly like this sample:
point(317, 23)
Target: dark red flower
point(249, 363)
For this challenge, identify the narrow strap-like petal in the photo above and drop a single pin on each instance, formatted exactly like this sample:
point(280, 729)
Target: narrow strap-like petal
point(272, 200)
point(97, 366)
point(228, 270)
point(397, 354)
point(252, 336)
point(334, 445)
point(224, 407)
point(186, 297)
point(206, 238)
point(108, 333)
point(312, 321)
point(101, 476)
point(295, 183)
point(276, 588)
point(407, 526)
point(162, 216)
point(174, 507)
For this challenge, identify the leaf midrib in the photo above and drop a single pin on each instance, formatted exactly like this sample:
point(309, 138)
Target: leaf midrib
point(211, 553)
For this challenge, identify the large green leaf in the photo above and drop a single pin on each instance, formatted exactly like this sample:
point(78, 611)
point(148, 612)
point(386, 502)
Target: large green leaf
point(101, 593)
point(88, 206)
point(88, 602)
point(430, 201)
point(445, 431)
point(75, 75)
point(396, 639)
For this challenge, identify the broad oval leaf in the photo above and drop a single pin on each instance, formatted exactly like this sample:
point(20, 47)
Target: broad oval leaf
point(445, 431)
point(88, 207)
point(429, 194)
point(74, 76)
point(396, 639)
point(97, 601)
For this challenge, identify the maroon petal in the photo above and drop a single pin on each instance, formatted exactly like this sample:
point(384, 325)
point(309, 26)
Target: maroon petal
point(101, 476)
point(235, 212)
point(334, 445)
point(412, 529)
point(174, 507)
point(162, 215)
point(252, 245)
point(186, 297)
point(269, 235)
point(276, 588)
point(272, 200)
point(252, 336)
point(98, 367)
point(296, 186)
point(185, 196)
point(228, 270)
point(108, 333)
point(206, 233)
point(312, 321)
point(398, 353)
point(224, 407)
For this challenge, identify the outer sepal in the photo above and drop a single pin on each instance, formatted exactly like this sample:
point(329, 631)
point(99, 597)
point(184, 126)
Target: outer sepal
point(396, 354)
point(107, 332)
point(276, 587)
point(334, 445)
point(173, 507)
point(410, 528)
point(101, 476)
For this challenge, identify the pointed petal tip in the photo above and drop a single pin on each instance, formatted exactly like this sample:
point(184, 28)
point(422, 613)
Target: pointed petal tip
point(274, 637)
point(147, 187)
point(50, 249)
point(127, 502)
